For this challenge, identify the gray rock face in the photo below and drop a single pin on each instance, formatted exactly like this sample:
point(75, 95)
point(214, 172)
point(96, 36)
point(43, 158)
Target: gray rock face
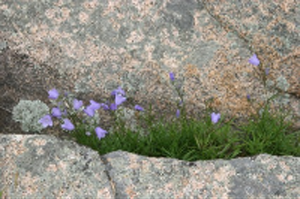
point(40, 166)
point(100, 45)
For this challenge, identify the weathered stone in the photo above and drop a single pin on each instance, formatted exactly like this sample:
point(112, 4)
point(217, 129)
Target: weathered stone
point(99, 45)
point(40, 166)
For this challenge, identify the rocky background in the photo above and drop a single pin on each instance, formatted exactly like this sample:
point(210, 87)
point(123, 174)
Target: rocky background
point(91, 47)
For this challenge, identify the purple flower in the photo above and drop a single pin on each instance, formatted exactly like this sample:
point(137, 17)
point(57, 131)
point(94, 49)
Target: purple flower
point(138, 108)
point(267, 71)
point(56, 112)
point(67, 125)
point(94, 105)
point(172, 77)
point(177, 113)
point(100, 132)
point(77, 104)
point(53, 94)
point(254, 60)
point(46, 121)
point(105, 106)
point(119, 90)
point(248, 97)
point(215, 117)
point(89, 110)
point(113, 106)
point(119, 99)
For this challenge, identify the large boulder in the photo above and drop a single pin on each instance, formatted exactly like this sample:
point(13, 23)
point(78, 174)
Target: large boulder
point(99, 45)
point(40, 166)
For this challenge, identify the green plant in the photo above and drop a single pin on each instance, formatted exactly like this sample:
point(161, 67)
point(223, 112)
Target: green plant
point(143, 132)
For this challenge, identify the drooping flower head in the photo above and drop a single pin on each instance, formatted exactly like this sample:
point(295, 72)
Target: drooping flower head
point(100, 132)
point(94, 105)
point(172, 77)
point(113, 106)
point(138, 108)
point(254, 60)
point(53, 94)
point(67, 125)
point(89, 110)
point(248, 97)
point(119, 99)
point(77, 104)
point(177, 113)
point(105, 106)
point(119, 90)
point(56, 112)
point(46, 121)
point(215, 117)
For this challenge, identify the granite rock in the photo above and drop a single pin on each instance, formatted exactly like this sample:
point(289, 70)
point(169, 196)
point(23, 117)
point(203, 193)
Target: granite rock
point(100, 45)
point(41, 166)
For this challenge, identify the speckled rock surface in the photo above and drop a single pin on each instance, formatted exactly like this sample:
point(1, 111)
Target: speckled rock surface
point(99, 45)
point(35, 166)
point(47, 167)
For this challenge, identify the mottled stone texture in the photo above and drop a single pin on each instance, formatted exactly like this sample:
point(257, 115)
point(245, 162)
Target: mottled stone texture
point(47, 167)
point(40, 166)
point(98, 45)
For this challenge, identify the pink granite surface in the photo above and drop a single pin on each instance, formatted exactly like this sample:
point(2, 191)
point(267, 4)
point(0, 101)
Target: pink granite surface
point(40, 166)
point(99, 45)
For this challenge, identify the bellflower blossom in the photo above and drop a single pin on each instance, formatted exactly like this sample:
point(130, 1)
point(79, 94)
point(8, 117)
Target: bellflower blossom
point(67, 125)
point(119, 90)
point(172, 77)
point(53, 94)
point(119, 99)
point(100, 132)
point(90, 109)
point(77, 104)
point(139, 108)
point(215, 117)
point(46, 121)
point(177, 113)
point(56, 112)
point(254, 60)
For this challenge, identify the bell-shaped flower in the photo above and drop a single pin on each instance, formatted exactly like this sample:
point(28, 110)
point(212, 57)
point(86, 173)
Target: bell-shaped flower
point(77, 104)
point(254, 60)
point(46, 121)
point(119, 90)
point(94, 105)
point(56, 112)
point(172, 77)
point(215, 117)
point(138, 108)
point(89, 110)
point(105, 106)
point(100, 132)
point(119, 99)
point(177, 113)
point(53, 94)
point(113, 106)
point(67, 125)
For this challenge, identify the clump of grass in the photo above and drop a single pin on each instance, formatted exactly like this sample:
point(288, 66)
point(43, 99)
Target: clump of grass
point(191, 140)
point(183, 137)
point(203, 139)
